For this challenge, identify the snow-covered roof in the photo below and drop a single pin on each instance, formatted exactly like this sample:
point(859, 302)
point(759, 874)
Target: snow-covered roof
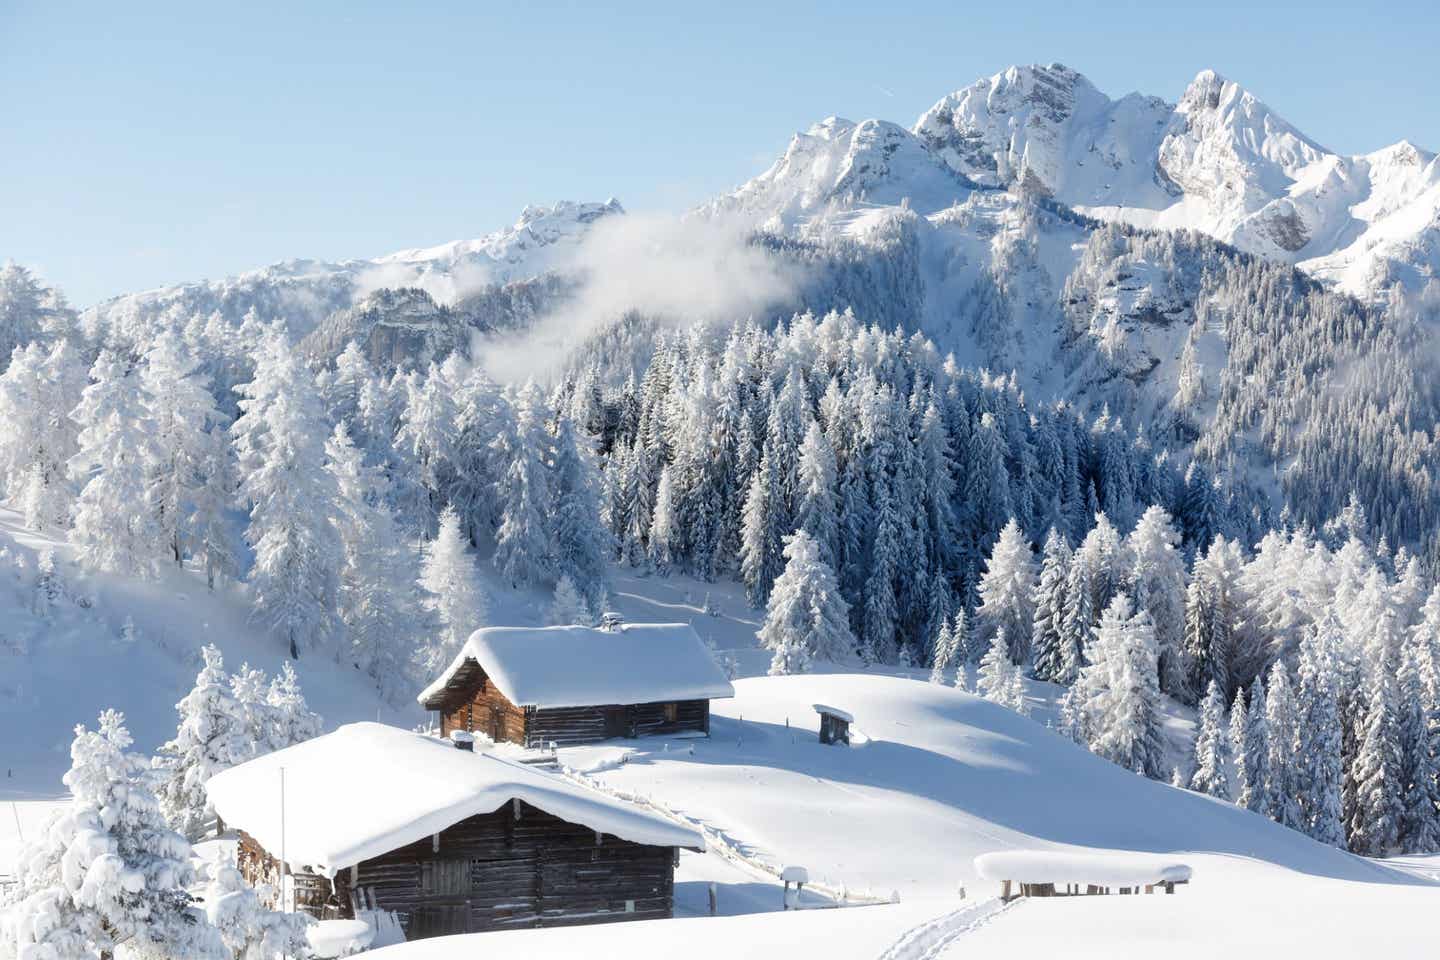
point(1102, 868)
point(586, 667)
point(368, 788)
point(834, 712)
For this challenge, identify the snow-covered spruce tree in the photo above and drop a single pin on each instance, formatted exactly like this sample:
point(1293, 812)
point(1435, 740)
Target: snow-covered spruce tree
point(213, 540)
point(760, 543)
point(109, 871)
point(1046, 642)
point(582, 543)
point(966, 651)
point(806, 619)
point(662, 522)
point(1420, 818)
point(1235, 737)
point(568, 607)
point(180, 407)
point(1114, 705)
point(1319, 767)
point(1280, 724)
point(376, 590)
point(280, 440)
point(1157, 581)
point(523, 542)
point(995, 679)
point(38, 391)
point(1255, 751)
point(881, 611)
point(944, 653)
point(212, 736)
point(1212, 747)
point(1007, 592)
point(113, 530)
point(248, 687)
point(1078, 617)
point(1374, 826)
point(291, 719)
point(250, 930)
point(452, 594)
point(817, 510)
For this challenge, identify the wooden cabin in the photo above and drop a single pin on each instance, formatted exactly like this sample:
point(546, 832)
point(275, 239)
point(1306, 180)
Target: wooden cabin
point(378, 818)
point(568, 685)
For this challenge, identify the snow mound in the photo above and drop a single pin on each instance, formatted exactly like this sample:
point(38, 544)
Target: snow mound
point(408, 787)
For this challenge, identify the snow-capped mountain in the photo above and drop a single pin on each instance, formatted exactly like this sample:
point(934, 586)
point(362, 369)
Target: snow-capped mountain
point(1219, 161)
point(302, 293)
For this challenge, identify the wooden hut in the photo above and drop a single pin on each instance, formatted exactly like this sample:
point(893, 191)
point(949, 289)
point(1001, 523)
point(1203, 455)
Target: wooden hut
point(834, 724)
point(375, 817)
point(567, 685)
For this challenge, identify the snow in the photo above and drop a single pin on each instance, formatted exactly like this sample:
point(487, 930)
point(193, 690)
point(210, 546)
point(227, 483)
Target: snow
point(584, 666)
point(337, 938)
point(1100, 868)
point(401, 787)
point(833, 711)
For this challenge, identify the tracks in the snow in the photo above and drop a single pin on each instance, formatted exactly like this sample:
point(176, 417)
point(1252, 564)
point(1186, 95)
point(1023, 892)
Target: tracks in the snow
point(930, 939)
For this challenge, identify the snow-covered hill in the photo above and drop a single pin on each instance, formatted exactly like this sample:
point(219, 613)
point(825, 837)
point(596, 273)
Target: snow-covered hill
point(302, 293)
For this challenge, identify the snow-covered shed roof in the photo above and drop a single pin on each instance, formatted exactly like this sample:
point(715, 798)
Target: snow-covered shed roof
point(1103, 868)
point(368, 788)
point(834, 712)
point(586, 666)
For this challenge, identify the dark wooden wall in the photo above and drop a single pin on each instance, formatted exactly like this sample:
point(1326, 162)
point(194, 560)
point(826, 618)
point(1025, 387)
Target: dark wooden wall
point(495, 872)
point(571, 725)
point(479, 707)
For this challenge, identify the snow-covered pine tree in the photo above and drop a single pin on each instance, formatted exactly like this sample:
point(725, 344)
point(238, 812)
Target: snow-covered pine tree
point(291, 719)
point(1007, 592)
point(582, 543)
point(113, 530)
point(817, 509)
point(1374, 826)
point(1157, 581)
point(1254, 787)
point(213, 540)
point(250, 930)
point(806, 619)
point(212, 736)
point(1212, 746)
point(994, 679)
point(180, 407)
point(568, 607)
point(662, 522)
point(523, 540)
point(1319, 764)
point(280, 439)
point(1419, 830)
point(944, 653)
point(376, 594)
point(452, 594)
point(1235, 738)
point(1046, 641)
point(109, 871)
point(1282, 736)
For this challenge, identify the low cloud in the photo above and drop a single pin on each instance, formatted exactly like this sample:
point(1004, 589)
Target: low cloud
point(676, 270)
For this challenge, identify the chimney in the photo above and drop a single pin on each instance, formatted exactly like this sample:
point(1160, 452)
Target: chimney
point(463, 740)
point(611, 621)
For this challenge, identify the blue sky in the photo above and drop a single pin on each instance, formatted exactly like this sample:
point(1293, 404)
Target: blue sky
point(179, 141)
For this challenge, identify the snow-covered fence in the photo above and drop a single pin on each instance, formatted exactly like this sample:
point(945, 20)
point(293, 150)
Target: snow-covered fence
point(1043, 873)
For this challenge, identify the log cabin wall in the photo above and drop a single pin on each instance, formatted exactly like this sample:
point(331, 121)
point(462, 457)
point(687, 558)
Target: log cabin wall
point(497, 872)
point(566, 726)
point(484, 709)
point(312, 891)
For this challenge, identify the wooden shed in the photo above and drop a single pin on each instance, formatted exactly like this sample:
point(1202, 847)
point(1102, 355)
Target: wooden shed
point(451, 841)
point(568, 685)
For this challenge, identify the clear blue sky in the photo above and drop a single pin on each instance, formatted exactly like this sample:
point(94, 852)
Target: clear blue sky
point(187, 140)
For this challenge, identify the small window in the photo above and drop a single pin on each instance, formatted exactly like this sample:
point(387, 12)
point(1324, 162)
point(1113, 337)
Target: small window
point(672, 712)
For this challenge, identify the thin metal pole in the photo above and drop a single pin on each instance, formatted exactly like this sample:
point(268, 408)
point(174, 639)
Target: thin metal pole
point(15, 810)
point(283, 862)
